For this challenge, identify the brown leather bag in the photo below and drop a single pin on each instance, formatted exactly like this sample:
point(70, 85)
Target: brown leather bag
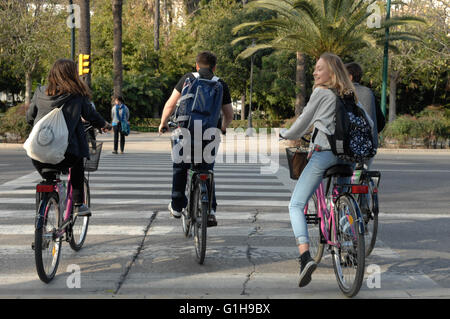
point(297, 159)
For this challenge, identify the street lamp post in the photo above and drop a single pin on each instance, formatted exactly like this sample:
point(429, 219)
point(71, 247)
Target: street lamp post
point(385, 60)
point(72, 51)
point(251, 92)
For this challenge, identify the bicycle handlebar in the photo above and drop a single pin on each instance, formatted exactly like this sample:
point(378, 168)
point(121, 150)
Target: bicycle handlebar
point(171, 124)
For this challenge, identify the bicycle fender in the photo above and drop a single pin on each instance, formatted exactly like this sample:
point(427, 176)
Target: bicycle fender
point(39, 220)
point(204, 193)
point(375, 206)
point(360, 219)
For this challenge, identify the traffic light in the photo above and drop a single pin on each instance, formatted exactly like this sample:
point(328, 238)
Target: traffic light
point(83, 64)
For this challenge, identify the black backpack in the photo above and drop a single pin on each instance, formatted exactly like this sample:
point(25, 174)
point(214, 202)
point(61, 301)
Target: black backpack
point(352, 139)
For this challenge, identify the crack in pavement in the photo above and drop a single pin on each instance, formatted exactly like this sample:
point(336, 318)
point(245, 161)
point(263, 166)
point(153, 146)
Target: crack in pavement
point(124, 275)
point(249, 254)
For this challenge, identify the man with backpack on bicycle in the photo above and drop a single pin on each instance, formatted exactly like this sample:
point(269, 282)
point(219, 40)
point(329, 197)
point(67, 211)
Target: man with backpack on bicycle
point(205, 109)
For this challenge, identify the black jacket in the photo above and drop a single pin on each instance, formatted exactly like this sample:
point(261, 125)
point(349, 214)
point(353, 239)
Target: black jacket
point(75, 107)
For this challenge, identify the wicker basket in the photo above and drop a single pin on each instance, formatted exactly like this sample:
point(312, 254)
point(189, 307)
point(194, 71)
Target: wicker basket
point(91, 164)
point(297, 160)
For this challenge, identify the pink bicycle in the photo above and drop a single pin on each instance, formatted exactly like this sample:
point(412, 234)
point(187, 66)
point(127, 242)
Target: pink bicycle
point(56, 218)
point(334, 219)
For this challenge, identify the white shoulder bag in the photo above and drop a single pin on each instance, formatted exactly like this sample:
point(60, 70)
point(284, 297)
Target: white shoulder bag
point(48, 141)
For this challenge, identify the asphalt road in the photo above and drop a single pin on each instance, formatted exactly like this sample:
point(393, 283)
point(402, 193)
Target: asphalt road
point(412, 243)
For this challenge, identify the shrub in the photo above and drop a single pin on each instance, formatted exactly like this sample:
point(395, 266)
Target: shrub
point(14, 125)
point(401, 128)
point(431, 126)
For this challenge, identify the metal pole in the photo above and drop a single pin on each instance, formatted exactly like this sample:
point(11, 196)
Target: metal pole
point(385, 60)
point(251, 92)
point(72, 51)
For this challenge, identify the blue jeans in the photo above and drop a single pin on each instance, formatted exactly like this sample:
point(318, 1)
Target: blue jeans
point(308, 182)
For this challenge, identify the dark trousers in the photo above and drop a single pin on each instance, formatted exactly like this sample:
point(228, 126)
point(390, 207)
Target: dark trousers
point(179, 181)
point(118, 131)
point(76, 174)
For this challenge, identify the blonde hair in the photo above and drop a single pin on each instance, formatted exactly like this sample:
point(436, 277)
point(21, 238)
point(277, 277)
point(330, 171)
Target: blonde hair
point(340, 80)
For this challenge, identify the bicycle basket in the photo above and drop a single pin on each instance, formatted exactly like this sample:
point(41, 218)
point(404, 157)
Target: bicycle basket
point(91, 164)
point(297, 160)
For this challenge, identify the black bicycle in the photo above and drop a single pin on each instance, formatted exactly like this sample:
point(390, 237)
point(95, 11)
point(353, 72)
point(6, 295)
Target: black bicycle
point(195, 216)
point(368, 203)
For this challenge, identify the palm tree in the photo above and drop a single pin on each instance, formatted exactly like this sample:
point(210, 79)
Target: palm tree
point(313, 27)
point(117, 50)
point(157, 22)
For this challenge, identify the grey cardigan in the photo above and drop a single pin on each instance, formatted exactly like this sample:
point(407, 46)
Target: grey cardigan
point(319, 112)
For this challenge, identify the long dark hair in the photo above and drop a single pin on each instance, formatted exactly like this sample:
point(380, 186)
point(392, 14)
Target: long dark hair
point(63, 78)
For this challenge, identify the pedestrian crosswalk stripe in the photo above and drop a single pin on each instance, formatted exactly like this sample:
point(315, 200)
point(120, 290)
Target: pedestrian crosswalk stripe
point(158, 201)
point(127, 192)
point(160, 186)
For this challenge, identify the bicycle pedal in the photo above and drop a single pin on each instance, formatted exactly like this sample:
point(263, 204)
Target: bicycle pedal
point(32, 245)
point(86, 214)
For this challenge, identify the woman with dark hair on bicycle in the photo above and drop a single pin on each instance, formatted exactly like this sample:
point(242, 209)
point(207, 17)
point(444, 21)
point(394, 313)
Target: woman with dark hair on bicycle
point(66, 89)
point(330, 79)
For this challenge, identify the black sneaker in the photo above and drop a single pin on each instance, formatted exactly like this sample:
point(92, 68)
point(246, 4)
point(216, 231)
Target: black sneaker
point(212, 222)
point(307, 267)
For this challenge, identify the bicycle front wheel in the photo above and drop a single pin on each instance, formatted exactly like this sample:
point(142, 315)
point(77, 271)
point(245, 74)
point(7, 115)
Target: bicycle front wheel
point(47, 247)
point(200, 215)
point(348, 255)
point(314, 233)
point(80, 224)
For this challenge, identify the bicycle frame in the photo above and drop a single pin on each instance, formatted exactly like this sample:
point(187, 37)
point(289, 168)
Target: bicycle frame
point(67, 205)
point(205, 179)
point(324, 213)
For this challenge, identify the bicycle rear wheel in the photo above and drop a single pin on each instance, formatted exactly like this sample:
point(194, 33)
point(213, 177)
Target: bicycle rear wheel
point(200, 219)
point(316, 248)
point(369, 208)
point(47, 248)
point(80, 225)
point(349, 256)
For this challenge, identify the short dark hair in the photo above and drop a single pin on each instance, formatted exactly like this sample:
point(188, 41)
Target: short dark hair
point(119, 98)
point(206, 59)
point(355, 70)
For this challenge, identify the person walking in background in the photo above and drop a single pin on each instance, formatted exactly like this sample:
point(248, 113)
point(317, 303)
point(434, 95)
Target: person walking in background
point(120, 116)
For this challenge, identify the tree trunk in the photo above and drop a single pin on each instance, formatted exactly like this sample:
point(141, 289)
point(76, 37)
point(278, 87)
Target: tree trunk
point(117, 50)
point(393, 80)
point(157, 22)
point(243, 106)
point(300, 83)
point(85, 36)
point(27, 88)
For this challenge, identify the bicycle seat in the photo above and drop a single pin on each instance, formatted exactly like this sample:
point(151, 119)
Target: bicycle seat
point(340, 170)
point(51, 173)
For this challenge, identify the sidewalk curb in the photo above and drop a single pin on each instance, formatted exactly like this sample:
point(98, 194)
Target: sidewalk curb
point(157, 143)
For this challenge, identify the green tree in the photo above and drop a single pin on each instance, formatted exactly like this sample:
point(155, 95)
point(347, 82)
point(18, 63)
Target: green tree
point(316, 26)
point(30, 37)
